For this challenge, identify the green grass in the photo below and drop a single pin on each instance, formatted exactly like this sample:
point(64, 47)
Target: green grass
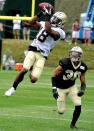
point(32, 107)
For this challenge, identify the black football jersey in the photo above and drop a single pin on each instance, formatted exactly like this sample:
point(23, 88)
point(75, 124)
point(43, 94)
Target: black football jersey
point(69, 74)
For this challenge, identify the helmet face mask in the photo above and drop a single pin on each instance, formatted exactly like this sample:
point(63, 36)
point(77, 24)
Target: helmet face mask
point(58, 19)
point(76, 56)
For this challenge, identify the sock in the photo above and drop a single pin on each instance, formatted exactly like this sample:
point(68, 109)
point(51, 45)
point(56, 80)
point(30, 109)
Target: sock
point(18, 79)
point(76, 115)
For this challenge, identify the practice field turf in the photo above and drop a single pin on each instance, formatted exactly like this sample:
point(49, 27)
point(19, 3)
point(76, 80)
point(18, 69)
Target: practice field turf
point(32, 107)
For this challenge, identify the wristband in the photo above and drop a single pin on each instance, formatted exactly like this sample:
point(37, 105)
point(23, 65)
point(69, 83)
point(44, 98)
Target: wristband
point(53, 81)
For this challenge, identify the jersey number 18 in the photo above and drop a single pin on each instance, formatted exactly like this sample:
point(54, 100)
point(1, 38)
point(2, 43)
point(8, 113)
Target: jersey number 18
point(42, 37)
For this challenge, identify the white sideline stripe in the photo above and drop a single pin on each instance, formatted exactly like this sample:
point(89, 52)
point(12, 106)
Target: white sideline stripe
point(45, 118)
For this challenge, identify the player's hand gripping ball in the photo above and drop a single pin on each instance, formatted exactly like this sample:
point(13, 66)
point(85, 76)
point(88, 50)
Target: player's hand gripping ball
point(46, 8)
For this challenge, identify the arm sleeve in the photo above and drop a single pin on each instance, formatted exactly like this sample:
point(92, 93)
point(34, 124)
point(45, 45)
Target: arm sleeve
point(62, 33)
point(84, 68)
point(53, 79)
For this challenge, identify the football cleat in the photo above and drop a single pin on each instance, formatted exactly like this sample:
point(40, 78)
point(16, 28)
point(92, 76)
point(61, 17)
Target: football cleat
point(10, 92)
point(73, 127)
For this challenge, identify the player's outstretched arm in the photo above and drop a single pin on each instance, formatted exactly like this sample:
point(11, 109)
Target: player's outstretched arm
point(56, 72)
point(34, 22)
point(46, 9)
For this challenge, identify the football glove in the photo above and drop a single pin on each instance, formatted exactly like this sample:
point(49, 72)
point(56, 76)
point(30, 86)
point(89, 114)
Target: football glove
point(82, 89)
point(55, 93)
point(80, 93)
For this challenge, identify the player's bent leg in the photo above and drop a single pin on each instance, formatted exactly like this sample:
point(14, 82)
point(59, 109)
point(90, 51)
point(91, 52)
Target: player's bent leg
point(61, 106)
point(33, 79)
point(76, 112)
point(77, 102)
point(37, 68)
point(35, 73)
point(76, 115)
point(18, 79)
point(61, 101)
point(28, 62)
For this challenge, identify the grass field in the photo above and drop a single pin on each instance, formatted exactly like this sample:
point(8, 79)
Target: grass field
point(33, 108)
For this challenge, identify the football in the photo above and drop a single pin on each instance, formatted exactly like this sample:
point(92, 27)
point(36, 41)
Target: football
point(46, 5)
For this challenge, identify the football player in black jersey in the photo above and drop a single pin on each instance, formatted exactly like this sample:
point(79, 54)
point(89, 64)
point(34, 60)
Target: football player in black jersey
point(63, 82)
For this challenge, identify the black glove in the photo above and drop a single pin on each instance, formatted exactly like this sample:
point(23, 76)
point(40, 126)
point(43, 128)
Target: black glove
point(55, 93)
point(80, 93)
point(82, 89)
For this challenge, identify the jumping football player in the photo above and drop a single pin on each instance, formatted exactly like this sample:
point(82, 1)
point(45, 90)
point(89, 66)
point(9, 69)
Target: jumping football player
point(49, 33)
point(63, 82)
